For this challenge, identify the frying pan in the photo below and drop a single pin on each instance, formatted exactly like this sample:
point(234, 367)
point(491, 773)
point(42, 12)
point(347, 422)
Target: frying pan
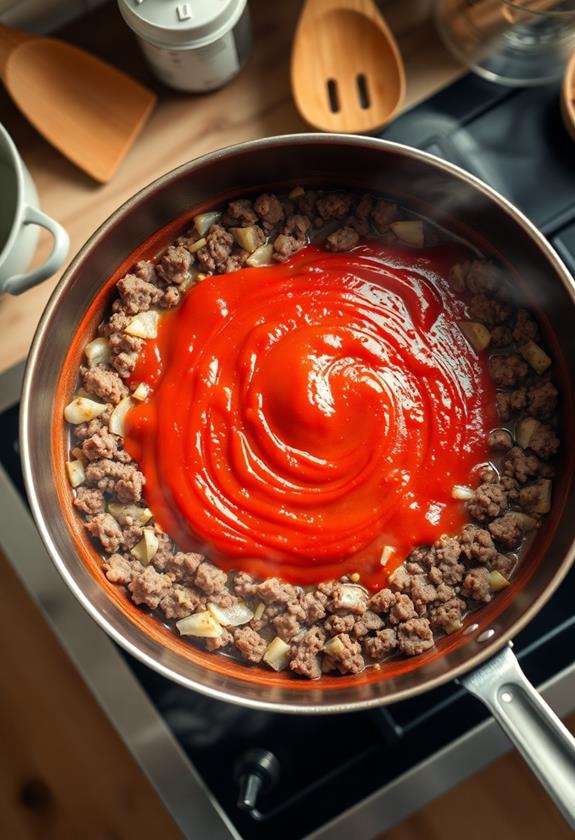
point(479, 655)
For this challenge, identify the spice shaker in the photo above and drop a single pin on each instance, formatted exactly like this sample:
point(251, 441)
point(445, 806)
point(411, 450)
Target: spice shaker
point(193, 46)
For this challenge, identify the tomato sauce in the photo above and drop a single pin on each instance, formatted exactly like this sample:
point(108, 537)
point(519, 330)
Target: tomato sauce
point(306, 415)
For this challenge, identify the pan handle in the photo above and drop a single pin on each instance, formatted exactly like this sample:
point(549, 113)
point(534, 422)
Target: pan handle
point(535, 730)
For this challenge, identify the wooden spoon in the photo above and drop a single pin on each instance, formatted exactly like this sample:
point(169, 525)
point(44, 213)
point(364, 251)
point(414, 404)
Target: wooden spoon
point(346, 70)
point(84, 107)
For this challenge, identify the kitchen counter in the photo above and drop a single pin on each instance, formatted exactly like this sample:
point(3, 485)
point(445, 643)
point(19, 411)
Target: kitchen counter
point(257, 103)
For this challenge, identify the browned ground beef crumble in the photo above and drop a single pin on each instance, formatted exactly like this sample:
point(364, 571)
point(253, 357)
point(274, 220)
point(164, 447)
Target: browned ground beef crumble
point(431, 592)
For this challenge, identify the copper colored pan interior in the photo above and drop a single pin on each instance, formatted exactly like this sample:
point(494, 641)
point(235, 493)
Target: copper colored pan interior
point(79, 303)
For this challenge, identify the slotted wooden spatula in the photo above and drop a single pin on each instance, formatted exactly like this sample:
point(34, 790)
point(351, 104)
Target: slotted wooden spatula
point(84, 107)
point(346, 71)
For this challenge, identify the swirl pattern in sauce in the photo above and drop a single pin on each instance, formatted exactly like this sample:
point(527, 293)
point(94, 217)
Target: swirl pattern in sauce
point(304, 416)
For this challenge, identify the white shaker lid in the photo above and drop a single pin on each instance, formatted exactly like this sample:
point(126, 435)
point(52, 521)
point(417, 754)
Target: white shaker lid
point(177, 23)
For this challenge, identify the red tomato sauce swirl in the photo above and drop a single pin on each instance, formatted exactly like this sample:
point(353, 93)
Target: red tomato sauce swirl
point(304, 416)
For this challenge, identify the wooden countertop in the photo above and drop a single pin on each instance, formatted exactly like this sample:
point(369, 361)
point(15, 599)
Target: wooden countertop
point(257, 103)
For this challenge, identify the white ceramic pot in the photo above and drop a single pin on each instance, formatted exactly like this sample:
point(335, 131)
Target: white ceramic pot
point(19, 221)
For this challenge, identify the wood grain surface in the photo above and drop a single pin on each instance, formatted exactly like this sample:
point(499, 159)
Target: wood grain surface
point(257, 103)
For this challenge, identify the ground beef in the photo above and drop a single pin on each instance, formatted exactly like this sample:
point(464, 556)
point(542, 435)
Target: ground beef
point(383, 214)
point(245, 585)
point(150, 587)
point(381, 645)
point(505, 564)
point(521, 465)
point(423, 592)
point(89, 500)
point(500, 440)
point(506, 531)
point(286, 626)
point(120, 569)
point(542, 399)
point(365, 624)
point(447, 616)
point(501, 336)
point(98, 424)
point(544, 442)
point(174, 265)
point(105, 528)
point(489, 501)
point(414, 636)
point(481, 276)
point(275, 591)
point(402, 610)
point(222, 641)
point(508, 369)
point(489, 310)
point(400, 579)
point(311, 607)
point(209, 578)
point(219, 243)
point(304, 653)
point(100, 445)
point(137, 295)
point(104, 383)
point(250, 644)
point(334, 205)
point(180, 602)
point(477, 545)
point(269, 209)
point(476, 585)
point(382, 601)
point(241, 213)
point(448, 553)
point(172, 297)
point(336, 624)
point(525, 328)
point(342, 239)
point(181, 566)
point(123, 480)
point(347, 655)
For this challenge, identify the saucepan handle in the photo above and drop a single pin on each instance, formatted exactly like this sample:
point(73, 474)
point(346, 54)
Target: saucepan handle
point(543, 741)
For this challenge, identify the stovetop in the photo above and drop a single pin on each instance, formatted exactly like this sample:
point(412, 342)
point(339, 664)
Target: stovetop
point(515, 141)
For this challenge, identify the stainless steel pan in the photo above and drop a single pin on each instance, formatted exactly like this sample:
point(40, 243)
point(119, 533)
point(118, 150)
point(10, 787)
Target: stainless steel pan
point(480, 655)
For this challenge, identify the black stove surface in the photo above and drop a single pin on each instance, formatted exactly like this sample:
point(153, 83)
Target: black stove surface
point(515, 141)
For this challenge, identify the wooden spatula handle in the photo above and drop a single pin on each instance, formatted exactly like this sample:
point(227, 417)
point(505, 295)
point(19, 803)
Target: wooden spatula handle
point(9, 40)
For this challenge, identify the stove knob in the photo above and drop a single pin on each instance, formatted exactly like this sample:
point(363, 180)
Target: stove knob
point(257, 771)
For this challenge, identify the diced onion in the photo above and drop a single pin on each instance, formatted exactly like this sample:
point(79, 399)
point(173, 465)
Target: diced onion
point(195, 246)
point(477, 334)
point(525, 430)
point(335, 647)
point(118, 416)
point(146, 549)
point(409, 232)
point(204, 221)
point(543, 503)
point(142, 392)
point(526, 522)
point(259, 610)
point(453, 627)
point(461, 492)
point(98, 352)
point(246, 237)
point(76, 474)
point(233, 616)
point(133, 513)
point(201, 624)
point(276, 655)
point(82, 409)
point(497, 581)
point(535, 356)
point(144, 324)
point(351, 596)
point(261, 256)
point(387, 553)
point(296, 192)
